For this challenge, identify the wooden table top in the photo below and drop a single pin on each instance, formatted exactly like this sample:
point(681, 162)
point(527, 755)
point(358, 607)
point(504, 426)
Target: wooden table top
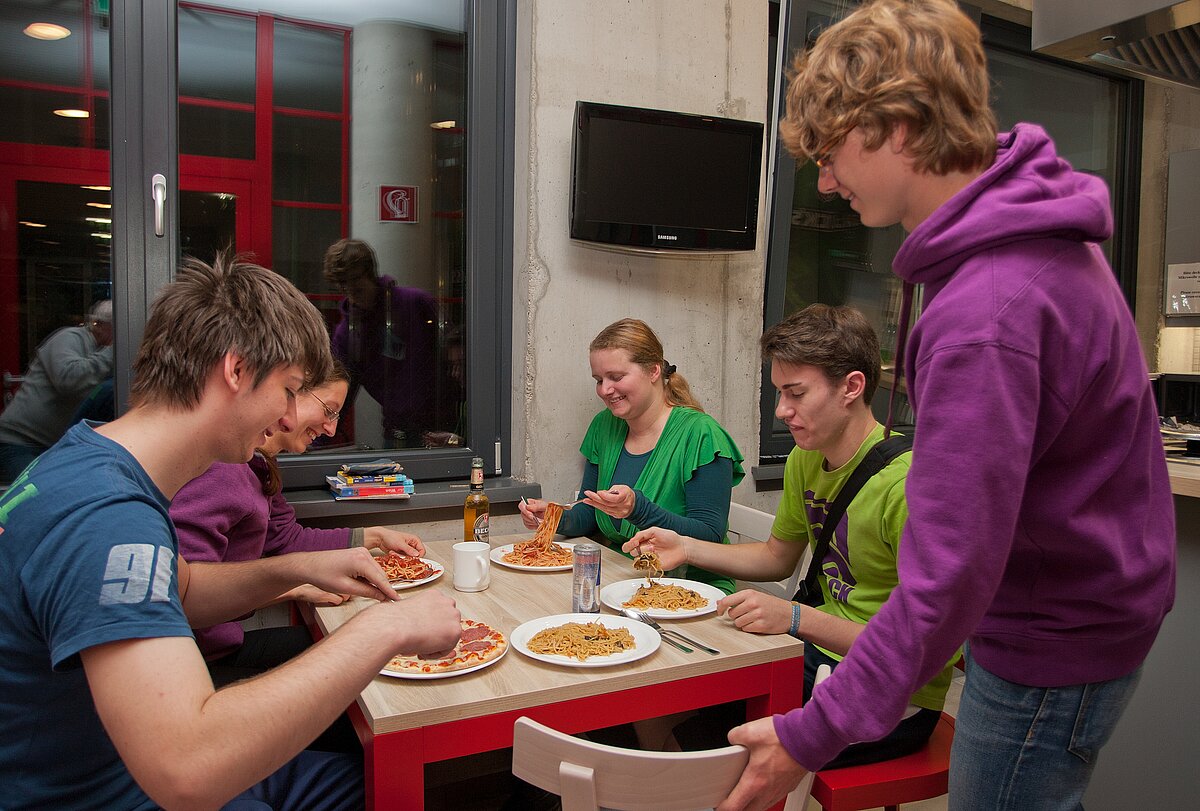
point(516, 681)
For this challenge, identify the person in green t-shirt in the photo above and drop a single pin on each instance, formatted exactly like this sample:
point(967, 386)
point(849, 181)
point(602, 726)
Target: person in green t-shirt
point(825, 364)
point(653, 458)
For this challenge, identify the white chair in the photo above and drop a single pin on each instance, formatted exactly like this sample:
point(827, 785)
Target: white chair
point(590, 776)
point(748, 525)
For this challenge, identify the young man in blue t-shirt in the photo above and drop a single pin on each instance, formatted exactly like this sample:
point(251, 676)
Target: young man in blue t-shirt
point(106, 700)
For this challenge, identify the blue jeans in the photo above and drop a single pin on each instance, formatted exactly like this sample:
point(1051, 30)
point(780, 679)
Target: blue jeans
point(1030, 748)
point(311, 781)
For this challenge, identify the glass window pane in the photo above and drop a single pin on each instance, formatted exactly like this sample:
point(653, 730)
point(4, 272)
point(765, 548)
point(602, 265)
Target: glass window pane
point(308, 159)
point(207, 223)
point(56, 263)
point(45, 62)
point(308, 67)
point(368, 164)
point(216, 55)
point(215, 131)
point(29, 117)
point(299, 239)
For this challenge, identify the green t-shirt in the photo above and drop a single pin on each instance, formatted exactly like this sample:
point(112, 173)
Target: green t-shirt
point(689, 440)
point(859, 571)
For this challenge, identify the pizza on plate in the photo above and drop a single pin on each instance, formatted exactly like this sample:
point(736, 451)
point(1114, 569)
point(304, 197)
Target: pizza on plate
point(480, 643)
point(401, 567)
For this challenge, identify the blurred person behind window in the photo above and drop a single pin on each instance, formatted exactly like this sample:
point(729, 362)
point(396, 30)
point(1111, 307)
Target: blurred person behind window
point(64, 370)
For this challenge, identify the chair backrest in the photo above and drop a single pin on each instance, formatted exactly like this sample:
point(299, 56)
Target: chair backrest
point(591, 775)
point(748, 525)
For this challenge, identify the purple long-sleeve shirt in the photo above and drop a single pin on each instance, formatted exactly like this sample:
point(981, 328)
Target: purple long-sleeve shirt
point(1041, 523)
point(223, 515)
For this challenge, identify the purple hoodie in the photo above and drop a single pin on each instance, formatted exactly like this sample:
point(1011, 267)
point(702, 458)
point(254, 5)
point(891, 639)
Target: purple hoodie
point(1041, 523)
point(223, 515)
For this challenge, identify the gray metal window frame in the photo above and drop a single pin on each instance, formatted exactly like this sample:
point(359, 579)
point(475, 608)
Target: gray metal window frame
point(145, 143)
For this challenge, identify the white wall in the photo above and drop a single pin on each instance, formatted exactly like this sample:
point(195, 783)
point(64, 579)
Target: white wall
point(696, 56)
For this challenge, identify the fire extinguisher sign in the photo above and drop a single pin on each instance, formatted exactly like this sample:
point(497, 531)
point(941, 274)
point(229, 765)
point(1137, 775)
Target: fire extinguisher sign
point(397, 203)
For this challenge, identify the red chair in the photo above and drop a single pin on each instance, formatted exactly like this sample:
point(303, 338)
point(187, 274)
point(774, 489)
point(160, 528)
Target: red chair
point(919, 776)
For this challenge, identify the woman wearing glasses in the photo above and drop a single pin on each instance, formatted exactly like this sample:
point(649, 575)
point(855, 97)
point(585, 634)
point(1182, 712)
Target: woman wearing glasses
point(236, 512)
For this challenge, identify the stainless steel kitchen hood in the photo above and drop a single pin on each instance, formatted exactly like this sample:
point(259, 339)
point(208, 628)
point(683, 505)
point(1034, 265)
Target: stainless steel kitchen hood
point(1157, 40)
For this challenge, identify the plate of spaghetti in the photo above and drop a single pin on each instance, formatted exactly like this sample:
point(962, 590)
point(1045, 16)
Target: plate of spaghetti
point(557, 558)
point(405, 572)
point(540, 553)
point(667, 598)
point(585, 640)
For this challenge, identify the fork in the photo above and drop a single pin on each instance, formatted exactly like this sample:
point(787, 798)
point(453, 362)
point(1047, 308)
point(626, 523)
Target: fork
point(642, 616)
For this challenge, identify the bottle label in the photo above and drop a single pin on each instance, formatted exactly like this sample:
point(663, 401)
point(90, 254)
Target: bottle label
point(481, 527)
point(477, 478)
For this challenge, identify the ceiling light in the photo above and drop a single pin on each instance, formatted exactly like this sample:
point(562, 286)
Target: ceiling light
point(32, 224)
point(100, 205)
point(47, 31)
point(444, 125)
point(98, 219)
point(97, 188)
point(72, 113)
point(103, 236)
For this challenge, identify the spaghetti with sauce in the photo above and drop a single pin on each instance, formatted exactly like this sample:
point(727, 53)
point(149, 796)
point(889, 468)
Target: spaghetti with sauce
point(540, 550)
point(665, 598)
point(581, 640)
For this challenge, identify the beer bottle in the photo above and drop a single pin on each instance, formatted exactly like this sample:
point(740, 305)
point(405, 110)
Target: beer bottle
point(475, 511)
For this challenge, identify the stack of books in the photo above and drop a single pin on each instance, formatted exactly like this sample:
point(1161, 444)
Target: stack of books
point(382, 478)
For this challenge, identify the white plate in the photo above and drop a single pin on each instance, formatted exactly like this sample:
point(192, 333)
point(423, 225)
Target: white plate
point(646, 639)
point(615, 594)
point(500, 551)
point(395, 674)
point(438, 571)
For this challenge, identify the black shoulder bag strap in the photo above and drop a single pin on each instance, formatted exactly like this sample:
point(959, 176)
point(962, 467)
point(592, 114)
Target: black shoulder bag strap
point(808, 592)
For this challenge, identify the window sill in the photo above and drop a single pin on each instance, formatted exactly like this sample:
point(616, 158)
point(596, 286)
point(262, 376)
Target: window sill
point(767, 477)
point(314, 505)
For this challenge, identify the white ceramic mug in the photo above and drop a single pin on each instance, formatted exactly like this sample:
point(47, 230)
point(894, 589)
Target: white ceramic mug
point(472, 566)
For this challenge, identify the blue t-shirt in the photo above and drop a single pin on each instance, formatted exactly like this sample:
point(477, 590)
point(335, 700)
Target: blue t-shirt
point(87, 556)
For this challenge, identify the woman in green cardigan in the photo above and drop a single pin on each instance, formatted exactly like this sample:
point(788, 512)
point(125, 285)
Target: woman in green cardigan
point(653, 458)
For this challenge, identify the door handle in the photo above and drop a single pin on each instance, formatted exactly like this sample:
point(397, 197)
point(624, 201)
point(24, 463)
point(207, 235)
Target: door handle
point(158, 191)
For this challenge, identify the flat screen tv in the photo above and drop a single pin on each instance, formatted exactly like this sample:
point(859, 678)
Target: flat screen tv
point(656, 179)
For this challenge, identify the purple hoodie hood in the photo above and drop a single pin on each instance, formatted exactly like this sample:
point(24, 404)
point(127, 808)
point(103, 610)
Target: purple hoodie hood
point(1031, 192)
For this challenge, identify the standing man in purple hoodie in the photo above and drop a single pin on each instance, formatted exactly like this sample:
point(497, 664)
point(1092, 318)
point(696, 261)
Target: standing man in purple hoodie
point(1041, 528)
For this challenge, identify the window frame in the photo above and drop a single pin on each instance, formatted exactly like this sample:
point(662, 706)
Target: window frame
point(998, 34)
point(145, 143)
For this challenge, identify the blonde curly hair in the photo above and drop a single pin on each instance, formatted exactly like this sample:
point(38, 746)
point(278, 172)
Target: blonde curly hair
point(916, 63)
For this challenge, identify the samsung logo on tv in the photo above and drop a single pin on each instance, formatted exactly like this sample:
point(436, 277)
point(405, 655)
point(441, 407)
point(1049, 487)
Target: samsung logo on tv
point(671, 237)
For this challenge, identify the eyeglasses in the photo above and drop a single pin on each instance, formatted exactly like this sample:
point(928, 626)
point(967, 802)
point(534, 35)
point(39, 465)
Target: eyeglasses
point(330, 414)
point(824, 164)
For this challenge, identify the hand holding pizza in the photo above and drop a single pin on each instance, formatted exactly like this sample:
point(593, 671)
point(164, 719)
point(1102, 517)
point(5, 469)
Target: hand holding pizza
point(670, 546)
point(391, 540)
point(425, 623)
point(352, 572)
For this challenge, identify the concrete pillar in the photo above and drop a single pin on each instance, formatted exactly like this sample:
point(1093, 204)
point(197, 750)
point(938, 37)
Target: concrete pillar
point(391, 144)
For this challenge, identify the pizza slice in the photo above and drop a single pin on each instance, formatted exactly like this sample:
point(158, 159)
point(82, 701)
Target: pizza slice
point(479, 644)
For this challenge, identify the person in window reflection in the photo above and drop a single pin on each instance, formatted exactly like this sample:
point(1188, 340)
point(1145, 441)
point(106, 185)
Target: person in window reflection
point(108, 703)
point(1041, 527)
point(652, 457)
point(387, 339)
point(65, 368)
point(237, 512)
point(825, 365)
